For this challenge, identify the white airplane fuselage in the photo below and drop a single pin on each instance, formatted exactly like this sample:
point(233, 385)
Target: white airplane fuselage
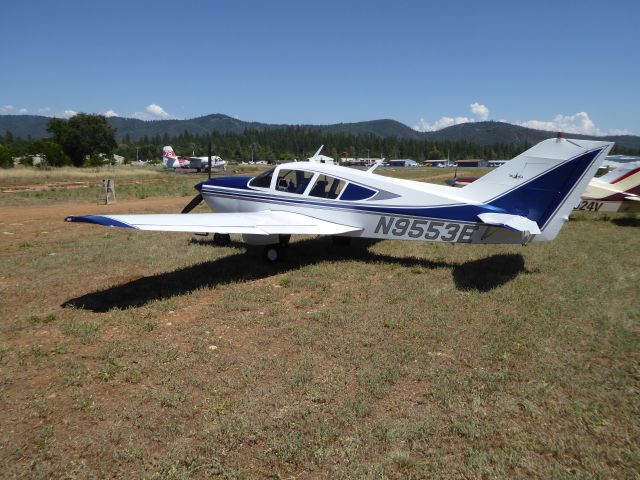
point(171, 160)
point(390, 218)
point(390, 208)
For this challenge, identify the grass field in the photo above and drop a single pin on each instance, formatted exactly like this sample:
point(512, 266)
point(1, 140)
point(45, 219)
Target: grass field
point(140, 355)
point(32, 186)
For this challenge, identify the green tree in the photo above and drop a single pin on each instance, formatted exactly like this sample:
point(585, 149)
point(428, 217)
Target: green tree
point(8, 138)
point(52, 153)
point(5, 157)
point(83, 135)
point(435, 154)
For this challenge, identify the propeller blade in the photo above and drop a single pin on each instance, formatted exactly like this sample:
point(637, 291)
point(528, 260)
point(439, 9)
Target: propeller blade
point(195, 201)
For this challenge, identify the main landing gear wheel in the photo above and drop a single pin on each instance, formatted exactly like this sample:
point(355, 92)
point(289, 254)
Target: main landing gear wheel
point(273, 253)
point(221, 239)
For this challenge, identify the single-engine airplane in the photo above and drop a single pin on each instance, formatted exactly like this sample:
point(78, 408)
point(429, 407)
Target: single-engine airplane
point(526, 200)
point(171, 160)
point(616, 191)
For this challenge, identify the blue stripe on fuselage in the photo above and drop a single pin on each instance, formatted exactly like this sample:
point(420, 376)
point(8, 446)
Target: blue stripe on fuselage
point(461, 212)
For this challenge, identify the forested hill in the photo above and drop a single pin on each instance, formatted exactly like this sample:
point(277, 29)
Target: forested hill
point(490, 133)
point(25, 126)
point(481, 133)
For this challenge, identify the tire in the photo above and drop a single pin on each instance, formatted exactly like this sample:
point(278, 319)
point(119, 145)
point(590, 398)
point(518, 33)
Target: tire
point(221, 239)
point(272, 253)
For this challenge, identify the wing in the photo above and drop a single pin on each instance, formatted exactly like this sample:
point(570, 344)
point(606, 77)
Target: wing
point(266, 222)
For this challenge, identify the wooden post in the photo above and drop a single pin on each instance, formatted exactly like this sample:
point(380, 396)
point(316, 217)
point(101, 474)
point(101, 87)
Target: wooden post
point(109, 191)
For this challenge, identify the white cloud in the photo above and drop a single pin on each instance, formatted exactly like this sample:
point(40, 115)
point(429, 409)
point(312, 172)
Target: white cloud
point(443, 122)
point(47, 112)
point(578, 123)
point(618, 131)
point(110, 113)
point(153, 112)
point(480, 111)
point(157, 110)
point(11, 110)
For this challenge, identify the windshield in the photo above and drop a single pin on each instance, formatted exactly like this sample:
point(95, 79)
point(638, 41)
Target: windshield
point(263, 180)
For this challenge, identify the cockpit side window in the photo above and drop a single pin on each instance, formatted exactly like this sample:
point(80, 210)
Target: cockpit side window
point(293, 181)
point(263, 180)
point(355, 192)
point(327, 187)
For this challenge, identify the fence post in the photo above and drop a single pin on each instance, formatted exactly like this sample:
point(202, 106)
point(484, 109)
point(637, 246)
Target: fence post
point(109, 191)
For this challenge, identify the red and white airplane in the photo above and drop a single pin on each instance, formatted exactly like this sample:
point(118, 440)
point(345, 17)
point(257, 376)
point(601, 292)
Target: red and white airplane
point(617, 191)
point(171, 160)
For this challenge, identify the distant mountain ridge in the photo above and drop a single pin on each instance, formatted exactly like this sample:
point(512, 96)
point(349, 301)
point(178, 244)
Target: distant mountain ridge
point(481, 133)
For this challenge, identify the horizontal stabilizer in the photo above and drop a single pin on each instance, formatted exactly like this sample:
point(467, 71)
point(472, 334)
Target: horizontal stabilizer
point(266, 222)
point(636, 199)
point(517, 223)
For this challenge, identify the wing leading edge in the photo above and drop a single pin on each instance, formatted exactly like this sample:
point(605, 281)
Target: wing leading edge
point(267, 222)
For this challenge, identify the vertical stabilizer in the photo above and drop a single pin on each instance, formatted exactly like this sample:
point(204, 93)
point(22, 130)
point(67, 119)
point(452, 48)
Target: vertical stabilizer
point(542, 184)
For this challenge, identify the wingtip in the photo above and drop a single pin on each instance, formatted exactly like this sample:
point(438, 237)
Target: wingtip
point(103, 220)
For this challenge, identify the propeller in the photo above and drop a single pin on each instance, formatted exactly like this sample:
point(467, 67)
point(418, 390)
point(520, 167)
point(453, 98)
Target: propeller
point(195, 201)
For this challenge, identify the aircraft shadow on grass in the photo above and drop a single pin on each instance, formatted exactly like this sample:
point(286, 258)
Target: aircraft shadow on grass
point(626, 222)
point(481, 275)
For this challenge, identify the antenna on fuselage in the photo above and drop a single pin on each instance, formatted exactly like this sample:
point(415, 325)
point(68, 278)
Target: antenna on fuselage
point(374, 166)
point(318, 152)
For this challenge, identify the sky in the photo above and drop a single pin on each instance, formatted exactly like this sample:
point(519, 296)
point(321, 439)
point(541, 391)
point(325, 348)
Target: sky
point(556, 65)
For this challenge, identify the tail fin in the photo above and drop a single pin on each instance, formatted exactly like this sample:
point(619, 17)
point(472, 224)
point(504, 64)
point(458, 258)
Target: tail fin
point(168, 152)
point(620, 173)
point(542, 184)
point(627, 180)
